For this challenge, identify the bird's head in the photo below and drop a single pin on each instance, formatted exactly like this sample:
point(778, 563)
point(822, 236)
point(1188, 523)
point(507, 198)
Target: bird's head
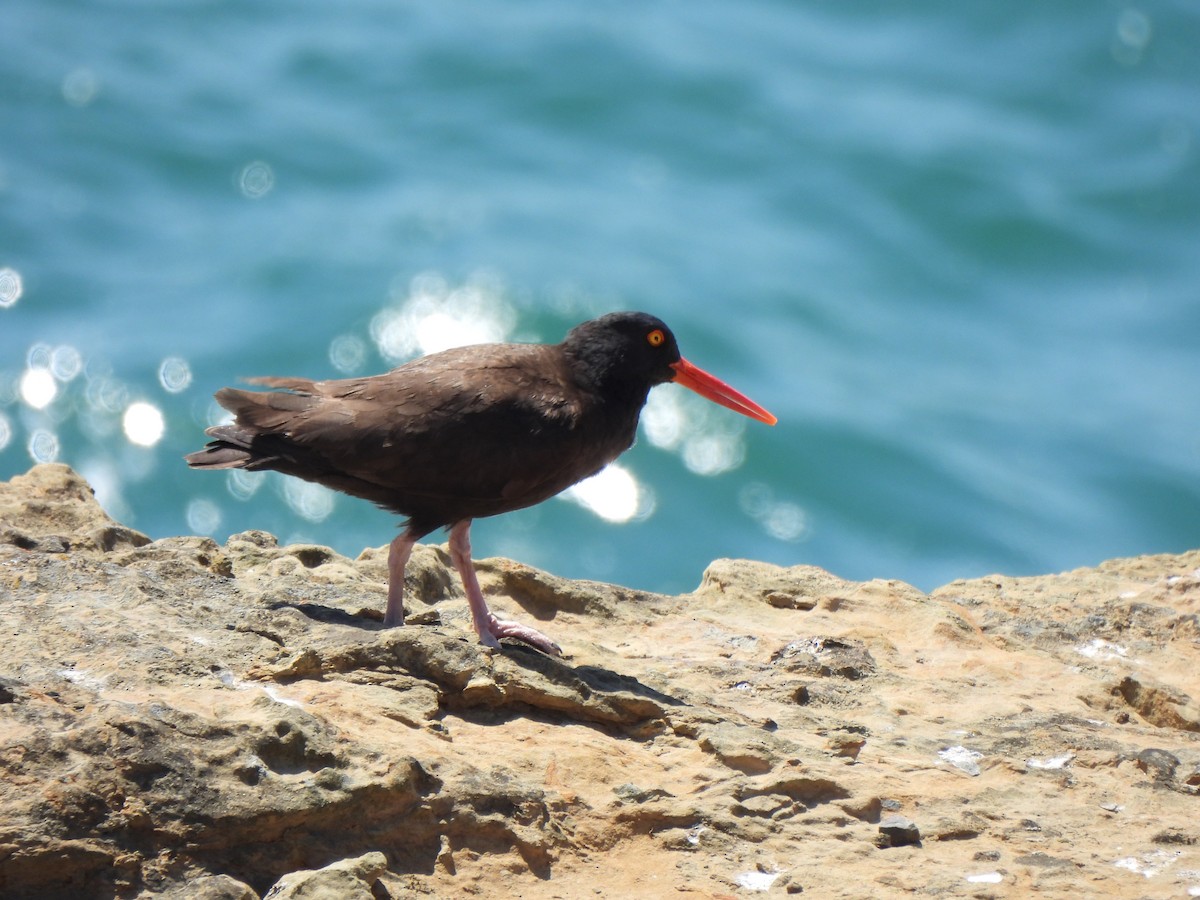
point(628, 353)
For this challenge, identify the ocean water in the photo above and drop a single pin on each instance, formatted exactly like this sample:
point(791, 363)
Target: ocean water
point(955, 248)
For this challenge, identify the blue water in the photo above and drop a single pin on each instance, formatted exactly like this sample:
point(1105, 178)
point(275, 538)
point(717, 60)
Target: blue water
point(955, 248)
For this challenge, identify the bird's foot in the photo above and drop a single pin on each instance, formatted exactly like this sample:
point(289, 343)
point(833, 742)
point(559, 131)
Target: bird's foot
point(497, 629)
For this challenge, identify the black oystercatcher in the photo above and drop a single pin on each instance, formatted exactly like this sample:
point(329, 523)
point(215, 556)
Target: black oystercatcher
point(469, 432)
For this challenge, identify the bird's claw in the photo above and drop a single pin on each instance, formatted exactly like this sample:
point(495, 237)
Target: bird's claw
point(497, 629)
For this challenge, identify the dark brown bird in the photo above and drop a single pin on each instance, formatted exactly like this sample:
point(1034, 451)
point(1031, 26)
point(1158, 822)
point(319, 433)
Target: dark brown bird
point(465, 433)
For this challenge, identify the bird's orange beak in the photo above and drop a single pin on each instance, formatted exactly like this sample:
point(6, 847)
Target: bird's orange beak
point(712, 388)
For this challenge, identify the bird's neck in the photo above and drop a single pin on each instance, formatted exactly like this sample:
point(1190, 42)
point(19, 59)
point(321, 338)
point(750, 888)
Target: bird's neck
point(606, 375)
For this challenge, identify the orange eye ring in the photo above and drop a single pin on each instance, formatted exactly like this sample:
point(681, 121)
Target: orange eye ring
point(655, 338)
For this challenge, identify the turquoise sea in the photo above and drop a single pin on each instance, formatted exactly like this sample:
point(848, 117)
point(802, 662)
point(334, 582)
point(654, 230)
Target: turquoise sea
point(954, 247)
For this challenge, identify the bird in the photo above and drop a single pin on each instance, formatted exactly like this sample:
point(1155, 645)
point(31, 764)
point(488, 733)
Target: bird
point(464, 433)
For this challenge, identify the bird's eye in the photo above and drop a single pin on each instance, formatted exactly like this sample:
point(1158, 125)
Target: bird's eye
point(655, 338)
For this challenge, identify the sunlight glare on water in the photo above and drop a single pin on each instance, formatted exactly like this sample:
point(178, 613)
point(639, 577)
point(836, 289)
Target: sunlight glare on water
point(709, 439)
point(614, 494)
point(43, 446)
point(348, 353)
point(307, 500)
point(242, 484)
point(781, 519)
point(663, 420)
point(430, 316)
point(203, 516)
point(80, 87)
point(105, 394)
point(714, 453)
point(38, 387)
point(102, 475)
point(256, 179)
point(10, 287)
point(218, 415)
point(1132, 36)
point(174, 375)
point(143, 423)
point(65, 362)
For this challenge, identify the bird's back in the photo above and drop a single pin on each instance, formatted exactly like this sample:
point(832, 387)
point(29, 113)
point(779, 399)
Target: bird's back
point(465, 433)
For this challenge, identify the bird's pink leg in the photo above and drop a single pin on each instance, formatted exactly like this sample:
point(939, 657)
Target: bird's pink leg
point(398, 556)
point(489, 628)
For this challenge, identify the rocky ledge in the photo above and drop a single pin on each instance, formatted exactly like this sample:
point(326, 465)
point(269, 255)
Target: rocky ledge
point(185, 719)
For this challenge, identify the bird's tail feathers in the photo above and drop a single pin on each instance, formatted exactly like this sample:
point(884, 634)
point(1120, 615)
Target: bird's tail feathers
point(229, 449)
point(261, 423)
point(299, 385)
point(269, 411)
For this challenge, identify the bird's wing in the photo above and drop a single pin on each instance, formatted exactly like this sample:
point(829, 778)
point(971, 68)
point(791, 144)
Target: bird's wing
point(462, 423)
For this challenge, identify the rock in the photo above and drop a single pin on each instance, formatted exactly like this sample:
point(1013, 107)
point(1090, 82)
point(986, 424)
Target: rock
point(349, 879)
point(1159, 704)
point(211, 887)
point(899, 831)
point(182, 718)
point(845, 741)
point(1159, 764)
point(742, 747)
point(1042, 860)
point(826, 656)
point(51, 509)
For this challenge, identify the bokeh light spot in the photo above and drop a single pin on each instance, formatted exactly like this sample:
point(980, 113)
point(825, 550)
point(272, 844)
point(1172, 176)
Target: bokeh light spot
point(433, 317)
point(143, 424)
point(242, 484)
point(218, 415)
point(10, 287)
point(308, 500)
point(6, 431)
point(712, 454)
point(786, 522)
point(105, 394)
point(781, 519)
point(38, 356)
point(65, 362)
point(614, 494)
point(38, 387)
point(203, 516)
point(664, 420)
point(1132, 37)
point(347, 353)
point(43, 446)
point(80, 87)
point(709, 440)
point(256, 180)
point(174, 375)
point(1133, 28)
point(101, 473)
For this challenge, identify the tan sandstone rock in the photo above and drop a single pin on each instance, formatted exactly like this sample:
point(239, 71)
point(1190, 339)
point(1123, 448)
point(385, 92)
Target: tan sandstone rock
point(180, 718)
